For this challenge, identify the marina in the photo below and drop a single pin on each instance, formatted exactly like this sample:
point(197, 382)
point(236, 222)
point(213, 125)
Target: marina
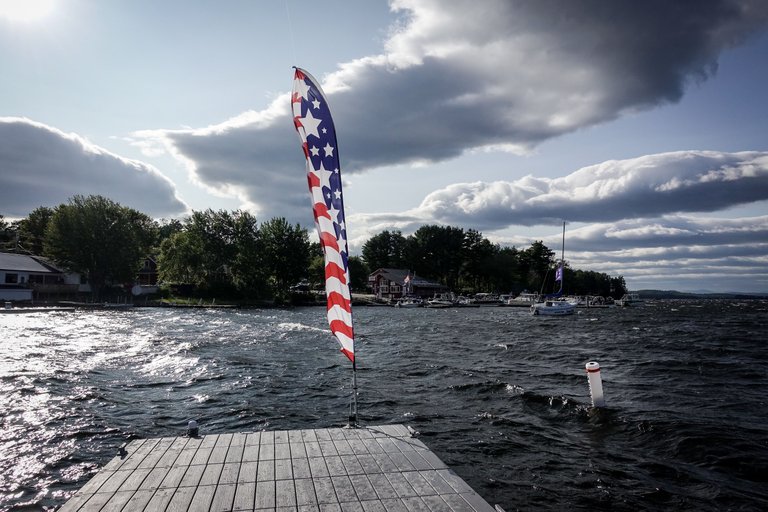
point(369, 469)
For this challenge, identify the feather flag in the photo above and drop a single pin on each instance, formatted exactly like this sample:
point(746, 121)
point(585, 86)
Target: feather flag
point(313, 122)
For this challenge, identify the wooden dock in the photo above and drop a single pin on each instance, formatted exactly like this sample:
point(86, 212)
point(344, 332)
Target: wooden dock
point(371, 469)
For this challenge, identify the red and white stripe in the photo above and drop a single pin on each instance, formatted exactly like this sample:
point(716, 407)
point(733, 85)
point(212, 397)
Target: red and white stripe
point(305, 90)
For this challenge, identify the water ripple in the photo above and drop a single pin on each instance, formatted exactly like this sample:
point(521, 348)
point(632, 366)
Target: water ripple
point(499, 395)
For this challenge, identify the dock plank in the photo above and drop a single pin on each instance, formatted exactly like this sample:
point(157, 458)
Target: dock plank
point(374, 469)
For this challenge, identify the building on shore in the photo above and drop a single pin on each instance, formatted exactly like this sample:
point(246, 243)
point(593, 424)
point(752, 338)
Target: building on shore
point(390, 284)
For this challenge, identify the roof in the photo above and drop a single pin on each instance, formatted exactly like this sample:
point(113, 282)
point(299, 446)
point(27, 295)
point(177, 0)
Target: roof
point(393, 274)
point(397, 275)
point(23, 263)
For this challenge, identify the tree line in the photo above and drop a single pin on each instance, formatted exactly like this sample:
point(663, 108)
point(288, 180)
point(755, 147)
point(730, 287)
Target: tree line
point(467, 262)
point(231, 254)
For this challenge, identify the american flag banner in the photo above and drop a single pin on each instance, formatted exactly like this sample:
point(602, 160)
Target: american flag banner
point(313, 122)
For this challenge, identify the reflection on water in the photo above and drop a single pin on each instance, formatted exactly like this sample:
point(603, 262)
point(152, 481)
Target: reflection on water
point(501, 396)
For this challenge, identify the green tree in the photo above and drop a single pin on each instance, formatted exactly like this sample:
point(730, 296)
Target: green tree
point(435, 252)
point(99, 238)
point(617, 287)
point(7, 236)
point(358, 274)
point(477, 269)
point(504, 271)
point(213, 235)
point(286, 254)
point(316, 269)
point(168, 227)
point(181, 259)
point(470, 261)
point(536, 265)
point(31, 230)
point(248, 273)
point(385, 250)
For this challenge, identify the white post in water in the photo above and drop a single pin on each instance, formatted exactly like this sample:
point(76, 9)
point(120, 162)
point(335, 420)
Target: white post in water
point(595, 384)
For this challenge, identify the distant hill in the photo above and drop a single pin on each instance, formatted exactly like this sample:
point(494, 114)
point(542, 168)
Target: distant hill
point(673, 294)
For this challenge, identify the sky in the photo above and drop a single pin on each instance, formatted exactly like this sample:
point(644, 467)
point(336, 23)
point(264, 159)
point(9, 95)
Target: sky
point(642, 125)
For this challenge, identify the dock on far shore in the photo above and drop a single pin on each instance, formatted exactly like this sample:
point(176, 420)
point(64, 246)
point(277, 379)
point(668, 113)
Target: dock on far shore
point(367, 469)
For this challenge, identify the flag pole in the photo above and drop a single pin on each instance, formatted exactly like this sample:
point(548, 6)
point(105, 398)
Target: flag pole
point(327, 209)
point(353, 417)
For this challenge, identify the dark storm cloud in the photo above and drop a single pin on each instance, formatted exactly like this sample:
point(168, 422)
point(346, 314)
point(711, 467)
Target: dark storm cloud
point(42, 166)
point(460, 75)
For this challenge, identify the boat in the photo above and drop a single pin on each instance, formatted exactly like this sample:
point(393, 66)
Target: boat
point(630, 300)
point(550, 307)
point(409, 302)
point(525, 299)
point(464, 302)
point(440, 302)
point(590, 301)
point(485, 299)
point(553, 308)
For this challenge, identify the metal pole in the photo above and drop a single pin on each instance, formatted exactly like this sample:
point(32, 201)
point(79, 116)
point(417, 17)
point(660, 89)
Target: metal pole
point(562, 254)
point(353, 416)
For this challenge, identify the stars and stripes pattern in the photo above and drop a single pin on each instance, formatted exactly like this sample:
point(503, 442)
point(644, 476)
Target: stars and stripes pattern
point(313, 122)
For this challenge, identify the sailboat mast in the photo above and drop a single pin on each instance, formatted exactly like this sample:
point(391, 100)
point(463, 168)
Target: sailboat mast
point(562, 254)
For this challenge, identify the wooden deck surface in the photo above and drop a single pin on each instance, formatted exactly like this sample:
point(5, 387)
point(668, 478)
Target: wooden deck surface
point(371, 469)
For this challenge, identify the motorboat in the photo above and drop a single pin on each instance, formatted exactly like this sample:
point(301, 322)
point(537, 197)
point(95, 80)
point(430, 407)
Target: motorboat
point(525, 299)
point(409, 302)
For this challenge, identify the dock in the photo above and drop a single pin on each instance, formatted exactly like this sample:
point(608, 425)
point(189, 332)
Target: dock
point(368, 469)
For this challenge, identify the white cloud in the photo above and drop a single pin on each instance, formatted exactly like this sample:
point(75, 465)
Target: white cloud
point(644, 187)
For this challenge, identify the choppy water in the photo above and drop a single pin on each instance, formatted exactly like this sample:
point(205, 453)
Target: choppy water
point(499, 395)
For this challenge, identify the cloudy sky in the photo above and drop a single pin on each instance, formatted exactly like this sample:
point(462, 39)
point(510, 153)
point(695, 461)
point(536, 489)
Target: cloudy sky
point(641, 124)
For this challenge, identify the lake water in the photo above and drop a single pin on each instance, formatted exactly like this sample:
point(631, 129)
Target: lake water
point(499, 395)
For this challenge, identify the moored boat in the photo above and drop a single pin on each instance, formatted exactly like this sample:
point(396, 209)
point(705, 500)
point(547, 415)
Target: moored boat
point(485, 299)
point(409, 302)
point(440, 302)
point(551, 307)
point(525, 299)
point(630, 299)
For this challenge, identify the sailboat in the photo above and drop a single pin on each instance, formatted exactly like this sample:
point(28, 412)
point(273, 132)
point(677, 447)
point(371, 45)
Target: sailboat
point(317, 133)
point(550, 307)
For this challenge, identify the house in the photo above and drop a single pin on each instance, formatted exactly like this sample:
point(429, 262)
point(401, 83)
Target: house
point(393, 283)
point(24, 277)
point(147, 275)
point(146, 279)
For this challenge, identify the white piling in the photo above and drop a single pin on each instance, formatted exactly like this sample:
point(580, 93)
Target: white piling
point(595, 384)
